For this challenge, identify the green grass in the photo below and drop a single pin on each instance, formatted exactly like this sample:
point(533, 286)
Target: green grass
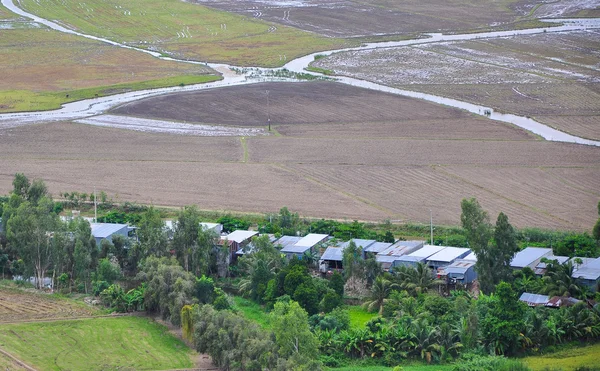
point(132, 343)
point(410, 367)
point(566, 359)
point(26, 100)
point(185, 30)
point(359, 317)
point(320, 70)
point(252, 311)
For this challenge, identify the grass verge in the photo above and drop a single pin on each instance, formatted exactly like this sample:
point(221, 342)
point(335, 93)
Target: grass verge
point(134, 343)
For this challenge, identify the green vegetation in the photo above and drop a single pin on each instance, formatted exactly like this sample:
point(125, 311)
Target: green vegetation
point(96, 344)
point(320, 70)
point(186, 30)
point(359, 316)
point(26, 100)
point(568, 359)
point(252, 311)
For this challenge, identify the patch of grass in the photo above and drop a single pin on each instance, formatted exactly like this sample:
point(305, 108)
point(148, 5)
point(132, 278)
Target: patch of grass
point(186, 30)
point(567, 359)
point(320, 70)
point(366, 366)
point(26, 100)
point(359, 316)
point(252, 311)
point(134, 343)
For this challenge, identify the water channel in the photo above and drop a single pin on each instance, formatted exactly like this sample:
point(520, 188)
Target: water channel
point(96, 106)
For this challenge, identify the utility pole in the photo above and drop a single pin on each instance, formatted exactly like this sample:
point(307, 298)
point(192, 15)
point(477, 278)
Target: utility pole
point(95, 206)
point(431, 225)
point(268, 111)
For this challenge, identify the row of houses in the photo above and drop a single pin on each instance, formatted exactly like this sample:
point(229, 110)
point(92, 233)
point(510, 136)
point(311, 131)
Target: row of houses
point(454, 264)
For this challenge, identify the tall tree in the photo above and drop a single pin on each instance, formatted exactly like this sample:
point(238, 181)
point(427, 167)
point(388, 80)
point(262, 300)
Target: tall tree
point(29, 232)
point(596, 230)
point(292, 332)
point(185, 236)
point(152, 233)
point(504, 249)
point(478, 229)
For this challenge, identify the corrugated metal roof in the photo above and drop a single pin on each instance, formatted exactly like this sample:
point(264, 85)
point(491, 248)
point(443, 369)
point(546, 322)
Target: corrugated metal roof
point(529, 255)
point(295, 249)
point(240, 236)
point(471, 257)
point(377, 247)
point(427, 250)
point(409, 258)
point(449, 254)
point(534, 299)
point(589, 271)
point(104, 230)
point(287, 241)
point(411, 244)
point(311, 239)
point(560, 259)
point(333, 253)
point(396, 251)
point(460, 266)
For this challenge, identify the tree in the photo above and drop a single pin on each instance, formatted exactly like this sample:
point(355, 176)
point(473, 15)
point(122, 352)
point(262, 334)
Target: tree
point(152, 234)
point(292, 332)
point(596, 230)
point(185, 236)
point(504, 250)
point(559, 280)
point(380, 291)
point(29, 232)
point(337, 283)
point(416, 280)
point(21, 185)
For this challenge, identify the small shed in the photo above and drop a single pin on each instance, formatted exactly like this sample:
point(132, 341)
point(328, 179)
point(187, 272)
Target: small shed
point(331, 258)
point(102, 231)
point(237, 240)
point(529, 257)
point(306, 243)
point(446, 256)
point(461, 271)
point(534, 300)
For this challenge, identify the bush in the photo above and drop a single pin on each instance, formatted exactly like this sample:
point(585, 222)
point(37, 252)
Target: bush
point(330, 301)
point(489, 363)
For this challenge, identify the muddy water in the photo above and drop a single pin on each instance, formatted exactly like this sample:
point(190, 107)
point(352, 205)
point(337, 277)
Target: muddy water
point(91, 107)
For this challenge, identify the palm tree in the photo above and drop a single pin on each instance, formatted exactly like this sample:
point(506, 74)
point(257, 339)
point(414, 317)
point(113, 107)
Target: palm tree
point(417, 280)
point(560, 282)
point(380, 291)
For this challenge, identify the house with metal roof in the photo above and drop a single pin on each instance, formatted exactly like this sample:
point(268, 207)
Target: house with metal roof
point(534, 300)
point(376, 248)
point(460, 271)
point(529, 257)
point(237, 240)
point(102, 231)
point(540, 268)
point(446, 256)
point(589, 274)
point(471, 257)
point(417, 256)
point(331, 258)
point(387, 257)
point(306, 243)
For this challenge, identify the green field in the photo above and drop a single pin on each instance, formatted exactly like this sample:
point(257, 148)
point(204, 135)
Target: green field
point(185, 30)
point(124, 343)
point(359, 317)
point(567, 359)
point(360, 367)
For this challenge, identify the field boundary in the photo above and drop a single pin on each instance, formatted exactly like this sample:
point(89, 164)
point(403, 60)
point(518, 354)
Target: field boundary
point(17, 361)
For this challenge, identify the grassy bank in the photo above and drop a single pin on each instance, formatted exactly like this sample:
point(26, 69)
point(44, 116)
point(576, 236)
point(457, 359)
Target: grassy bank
point(96, 344)
point(567, 359)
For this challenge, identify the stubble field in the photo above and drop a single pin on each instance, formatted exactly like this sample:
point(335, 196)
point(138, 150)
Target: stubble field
point(553, 77)
point(395, 162)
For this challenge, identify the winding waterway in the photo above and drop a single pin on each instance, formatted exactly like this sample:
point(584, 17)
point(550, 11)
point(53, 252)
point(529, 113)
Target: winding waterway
point(96, 106)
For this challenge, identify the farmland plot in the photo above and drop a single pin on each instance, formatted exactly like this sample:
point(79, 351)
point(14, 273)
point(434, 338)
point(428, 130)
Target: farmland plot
point(552, 77)
point(184, 30)
point(345, 18)
point(17, 306)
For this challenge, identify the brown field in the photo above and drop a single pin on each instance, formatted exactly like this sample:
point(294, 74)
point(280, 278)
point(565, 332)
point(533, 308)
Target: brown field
point(397, 162)
point(19, 306)
point(554, 78)
point(346, 18)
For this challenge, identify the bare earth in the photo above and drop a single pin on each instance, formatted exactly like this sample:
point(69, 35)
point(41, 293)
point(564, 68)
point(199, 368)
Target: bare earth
point(397, 162)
